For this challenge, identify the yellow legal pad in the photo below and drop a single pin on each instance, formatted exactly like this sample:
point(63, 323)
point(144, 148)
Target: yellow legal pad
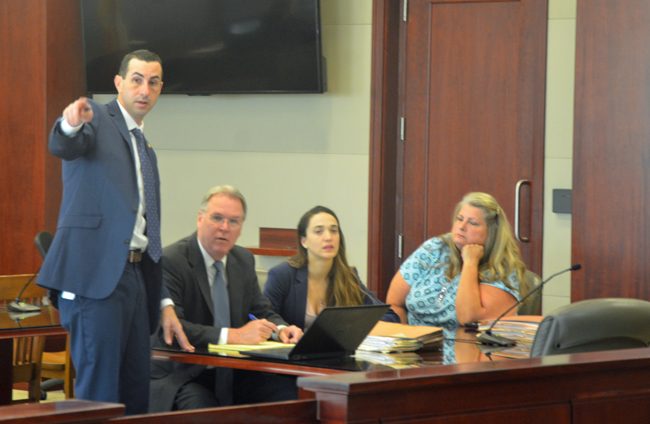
point(234, 349)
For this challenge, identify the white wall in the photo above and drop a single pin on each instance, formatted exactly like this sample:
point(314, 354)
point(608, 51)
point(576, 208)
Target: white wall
point(559, 148)
point(286, 153)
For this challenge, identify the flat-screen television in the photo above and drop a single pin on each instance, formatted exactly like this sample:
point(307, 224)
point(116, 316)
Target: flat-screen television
point(208, 46)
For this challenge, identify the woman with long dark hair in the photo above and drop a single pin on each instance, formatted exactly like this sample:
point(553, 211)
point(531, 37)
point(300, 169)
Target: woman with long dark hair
point(318, 275)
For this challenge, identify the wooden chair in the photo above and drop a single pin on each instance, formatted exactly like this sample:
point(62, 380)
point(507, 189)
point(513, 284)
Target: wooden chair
point(56, 363)
point(57, 368)
point(27, 364)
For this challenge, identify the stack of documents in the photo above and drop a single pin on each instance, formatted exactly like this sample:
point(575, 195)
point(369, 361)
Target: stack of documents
point(392, 360)
point(393, 337)
point(389, 344)
point(521, 329)
point(234, 349)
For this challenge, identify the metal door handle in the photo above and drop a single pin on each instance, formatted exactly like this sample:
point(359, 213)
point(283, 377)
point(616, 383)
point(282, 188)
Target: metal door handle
point(518, 187)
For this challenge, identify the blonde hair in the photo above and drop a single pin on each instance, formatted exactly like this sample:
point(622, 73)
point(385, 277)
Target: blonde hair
point(226, 190)
point(344, 285)
point(501, 254)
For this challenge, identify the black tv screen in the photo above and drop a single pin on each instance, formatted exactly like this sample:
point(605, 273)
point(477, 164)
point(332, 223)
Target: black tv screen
point(208, 46)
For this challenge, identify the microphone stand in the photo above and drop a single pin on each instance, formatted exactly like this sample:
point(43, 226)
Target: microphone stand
point(489, 338)
point(17, 305)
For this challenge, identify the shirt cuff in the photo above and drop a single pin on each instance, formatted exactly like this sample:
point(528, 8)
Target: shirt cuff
point(223, 336)
point(276, 334)
point(166, 302)
point(68, 129)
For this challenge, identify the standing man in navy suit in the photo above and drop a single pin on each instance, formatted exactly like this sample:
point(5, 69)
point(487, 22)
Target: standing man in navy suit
point(105, 257)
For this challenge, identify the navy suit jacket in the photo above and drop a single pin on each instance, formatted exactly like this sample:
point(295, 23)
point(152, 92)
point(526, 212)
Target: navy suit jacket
point(98, 211)
point(286, 288)
point(185, 277)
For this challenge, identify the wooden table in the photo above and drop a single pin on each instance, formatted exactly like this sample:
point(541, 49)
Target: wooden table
point(461, 348)
point(44, 323)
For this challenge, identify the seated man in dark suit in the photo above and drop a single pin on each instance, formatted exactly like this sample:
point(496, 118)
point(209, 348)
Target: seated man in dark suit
point(218, 300)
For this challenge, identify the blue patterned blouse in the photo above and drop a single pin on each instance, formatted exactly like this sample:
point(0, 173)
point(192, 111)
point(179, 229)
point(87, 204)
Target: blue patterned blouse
point(432, 298)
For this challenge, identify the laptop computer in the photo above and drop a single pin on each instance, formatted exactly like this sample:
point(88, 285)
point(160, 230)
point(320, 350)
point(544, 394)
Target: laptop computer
point(336, 332)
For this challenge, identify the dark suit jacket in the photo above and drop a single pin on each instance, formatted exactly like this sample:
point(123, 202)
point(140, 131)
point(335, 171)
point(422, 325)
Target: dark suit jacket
point(185, 277)
point(98, 211)
point(286, 288)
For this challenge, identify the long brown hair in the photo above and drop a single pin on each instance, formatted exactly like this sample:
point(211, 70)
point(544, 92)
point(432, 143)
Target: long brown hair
point(343, 288)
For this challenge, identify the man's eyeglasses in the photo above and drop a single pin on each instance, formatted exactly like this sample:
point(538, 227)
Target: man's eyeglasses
point(232, 222)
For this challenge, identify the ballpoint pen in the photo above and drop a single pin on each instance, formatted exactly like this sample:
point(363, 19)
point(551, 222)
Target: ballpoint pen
point(252, 317)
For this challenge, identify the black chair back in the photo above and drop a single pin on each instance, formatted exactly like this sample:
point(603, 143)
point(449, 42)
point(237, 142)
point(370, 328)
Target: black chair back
point(594, 325)
point(43, 240)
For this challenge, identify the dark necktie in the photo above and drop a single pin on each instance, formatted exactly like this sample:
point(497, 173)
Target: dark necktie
point(220, 299)
point(221, 307)
point(152, 215)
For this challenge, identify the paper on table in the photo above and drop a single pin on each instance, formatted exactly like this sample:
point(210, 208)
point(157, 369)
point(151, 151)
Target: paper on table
point(233, 348)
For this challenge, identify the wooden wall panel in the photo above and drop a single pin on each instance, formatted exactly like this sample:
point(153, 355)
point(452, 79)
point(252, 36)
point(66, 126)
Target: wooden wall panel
point(40, 66)
point(383, 146)
point(611, 182)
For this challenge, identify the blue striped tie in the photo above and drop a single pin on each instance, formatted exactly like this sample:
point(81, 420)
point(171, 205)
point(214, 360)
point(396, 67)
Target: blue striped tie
point(220, 300)
point(152, 215)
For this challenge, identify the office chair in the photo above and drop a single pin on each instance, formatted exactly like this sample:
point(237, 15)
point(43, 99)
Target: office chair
point(593, 325)
point(532, 305)
point(43, 240)
point(56, 366)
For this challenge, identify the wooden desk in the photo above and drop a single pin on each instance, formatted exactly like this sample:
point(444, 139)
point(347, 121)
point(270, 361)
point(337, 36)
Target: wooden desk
point(597, 387)
point(15, 325)
point(202, 357)
point(460, 348)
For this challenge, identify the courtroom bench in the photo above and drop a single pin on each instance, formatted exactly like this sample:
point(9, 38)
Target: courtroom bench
point(65, 411)
point(288, 412)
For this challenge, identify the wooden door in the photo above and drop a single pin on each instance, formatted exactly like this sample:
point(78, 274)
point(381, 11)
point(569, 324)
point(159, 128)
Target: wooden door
point(611, 161)
point(472, 98)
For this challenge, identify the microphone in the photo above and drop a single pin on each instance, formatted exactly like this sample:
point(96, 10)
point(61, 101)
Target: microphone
point(488, 338)
point(18, 305)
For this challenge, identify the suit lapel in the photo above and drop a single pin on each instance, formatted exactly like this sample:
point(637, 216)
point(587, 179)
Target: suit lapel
point(197, 264)
point(234, 273)
point(300, 299)
point(114, 110)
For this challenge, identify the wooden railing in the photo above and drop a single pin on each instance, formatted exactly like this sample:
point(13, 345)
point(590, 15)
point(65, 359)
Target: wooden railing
point(67, 411)
point(290, 412)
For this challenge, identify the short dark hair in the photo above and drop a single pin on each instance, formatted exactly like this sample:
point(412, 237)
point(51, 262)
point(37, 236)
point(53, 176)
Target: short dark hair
point(144, 55)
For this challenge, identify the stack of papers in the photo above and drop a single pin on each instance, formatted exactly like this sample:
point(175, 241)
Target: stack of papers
point(392, 360)
point(389, 344)
point(394, 337)
point(521, 329)
point(234, 349)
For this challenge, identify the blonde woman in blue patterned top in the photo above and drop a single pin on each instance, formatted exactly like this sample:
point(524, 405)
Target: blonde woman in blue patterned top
point(469, 274)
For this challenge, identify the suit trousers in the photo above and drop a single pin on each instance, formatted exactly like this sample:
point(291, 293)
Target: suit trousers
point(109, 340)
